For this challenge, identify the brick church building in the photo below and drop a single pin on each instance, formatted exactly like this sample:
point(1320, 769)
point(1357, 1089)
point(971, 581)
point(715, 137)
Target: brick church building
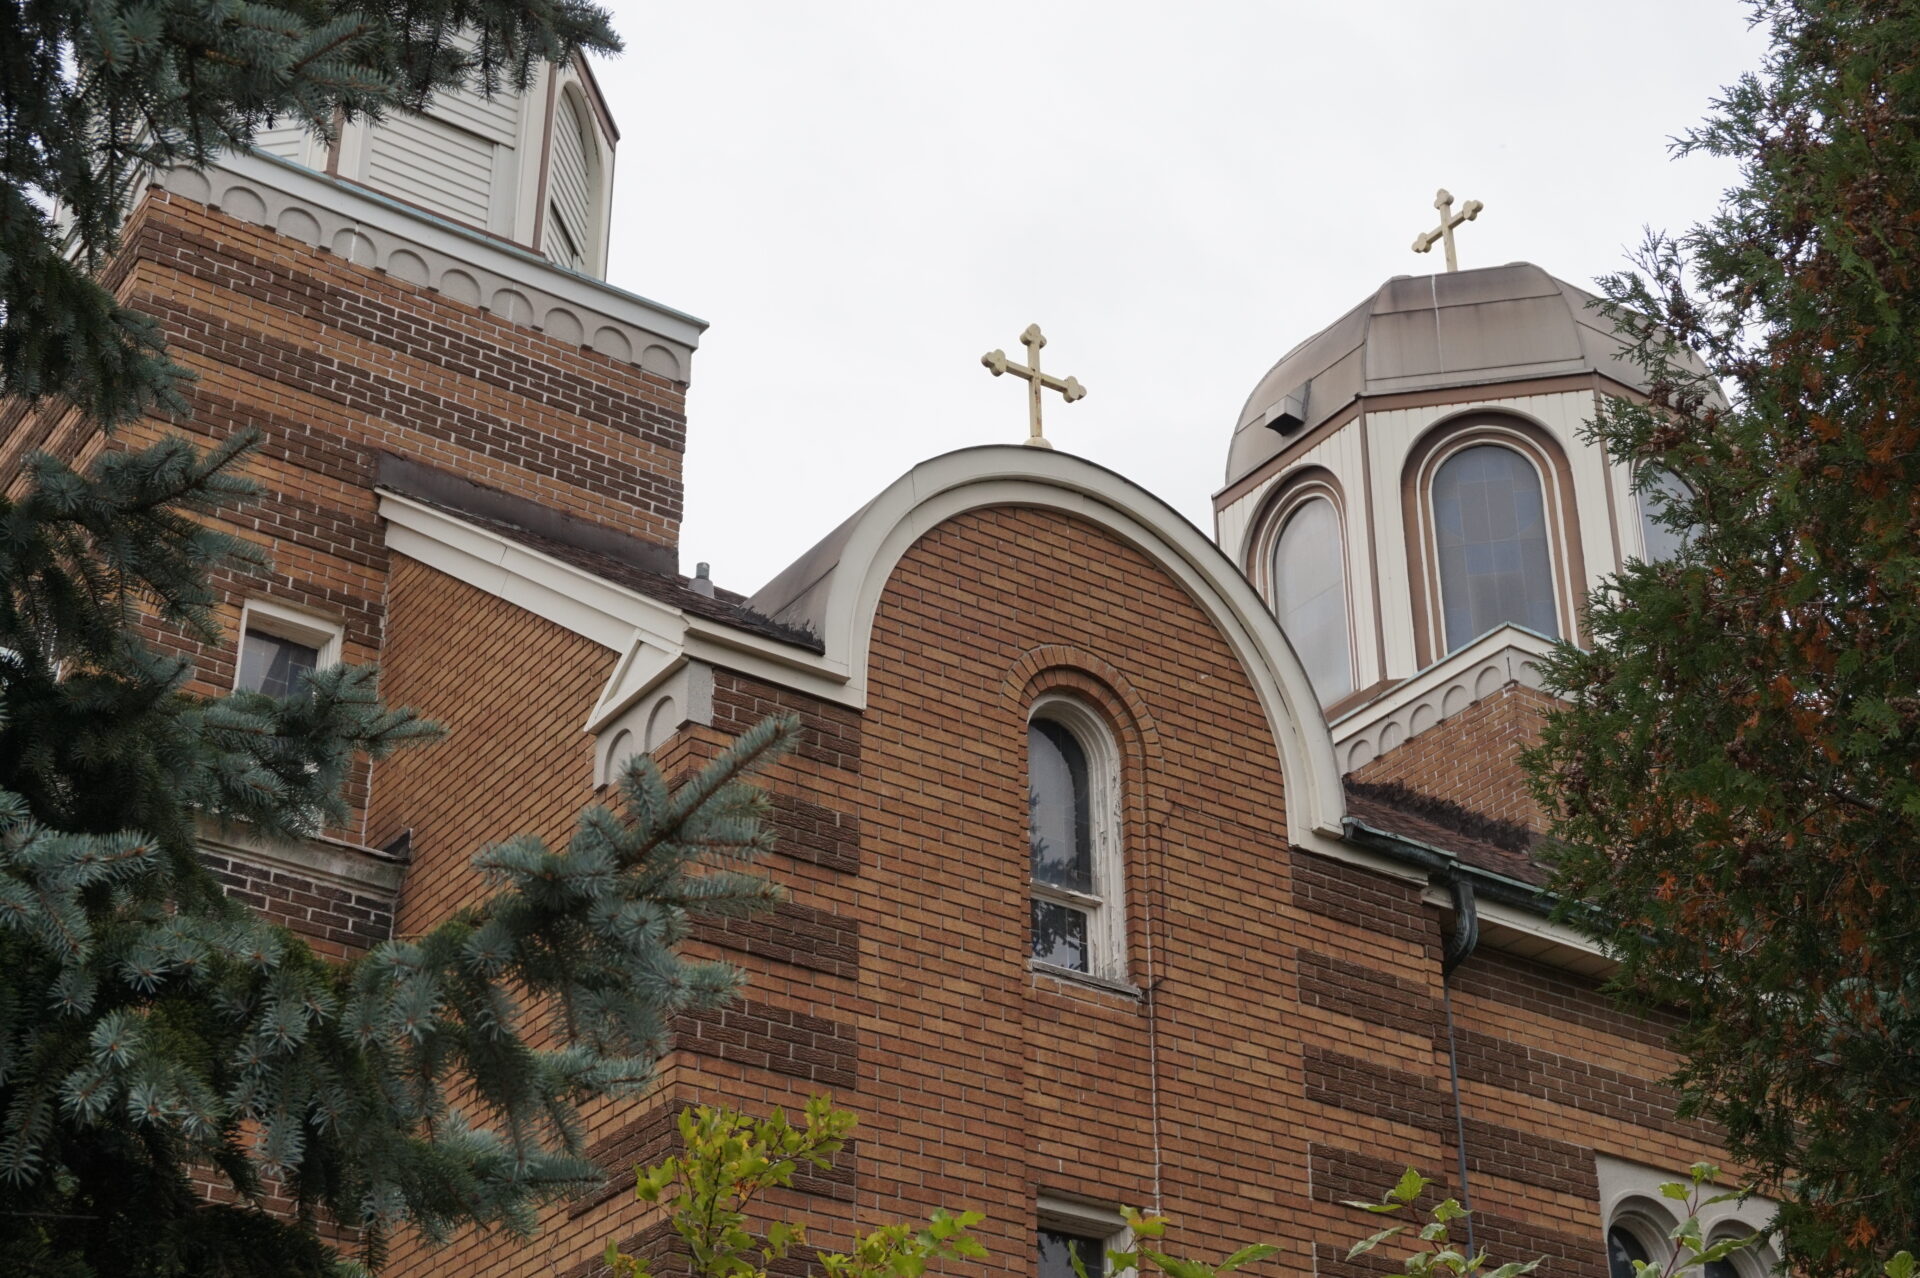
point(1126, 866)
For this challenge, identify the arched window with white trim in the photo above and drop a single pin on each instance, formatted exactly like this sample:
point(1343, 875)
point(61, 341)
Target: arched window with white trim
point(1310, 595)
point(1073, 805)
point(1492, 545)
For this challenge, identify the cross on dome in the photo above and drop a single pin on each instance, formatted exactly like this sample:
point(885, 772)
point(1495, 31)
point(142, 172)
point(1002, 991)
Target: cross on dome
point(1443, 200)
point(1070, 388)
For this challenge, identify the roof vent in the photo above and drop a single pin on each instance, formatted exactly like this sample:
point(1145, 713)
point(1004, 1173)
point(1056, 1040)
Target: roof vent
point(701, 583)
point(1289, 415)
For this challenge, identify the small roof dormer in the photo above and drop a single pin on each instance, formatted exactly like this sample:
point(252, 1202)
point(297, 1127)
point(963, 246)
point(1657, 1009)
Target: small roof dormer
point(534, 168)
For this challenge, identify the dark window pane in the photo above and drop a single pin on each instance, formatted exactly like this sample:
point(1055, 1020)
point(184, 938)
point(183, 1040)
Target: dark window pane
point(1057, 1251)
point(1490, 533)
point(1058, 805)
point(1719, 1268)
point(274, 665)
point(1060, 935)
point(1310, 596)
point(1623, 1248)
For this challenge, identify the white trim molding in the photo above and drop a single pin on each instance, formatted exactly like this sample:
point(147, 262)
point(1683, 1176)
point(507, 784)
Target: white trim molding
point(1504, 655)
point(1630, 1198)
point(369, 229)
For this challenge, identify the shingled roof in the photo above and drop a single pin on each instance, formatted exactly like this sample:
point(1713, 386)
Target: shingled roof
point(1480, 841)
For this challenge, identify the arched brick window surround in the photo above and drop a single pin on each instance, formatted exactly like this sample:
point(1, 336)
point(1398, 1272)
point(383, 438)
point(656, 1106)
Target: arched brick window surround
point(1064, 671)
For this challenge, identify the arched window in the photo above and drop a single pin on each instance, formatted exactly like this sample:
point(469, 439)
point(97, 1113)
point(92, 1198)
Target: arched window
point(1074, 841)
point(1659, 488)
point(1624, 1246)
point(1310, 595)
point(571, 188)
point(1490, 538)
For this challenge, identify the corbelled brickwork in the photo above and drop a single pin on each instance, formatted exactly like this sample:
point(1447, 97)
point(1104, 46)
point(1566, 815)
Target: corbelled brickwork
point(1469, 759)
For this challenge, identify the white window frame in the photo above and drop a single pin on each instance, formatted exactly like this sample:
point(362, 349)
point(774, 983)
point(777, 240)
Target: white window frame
point(1083, 1220)
point(1106, 906)
point(277, 619)
point(1630, 1199)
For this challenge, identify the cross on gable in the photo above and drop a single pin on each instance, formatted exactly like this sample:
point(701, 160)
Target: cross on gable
point(1443, 200)
point(1070, 388)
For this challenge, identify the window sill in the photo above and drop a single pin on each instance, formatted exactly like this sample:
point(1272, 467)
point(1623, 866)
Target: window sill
point(1103, 983)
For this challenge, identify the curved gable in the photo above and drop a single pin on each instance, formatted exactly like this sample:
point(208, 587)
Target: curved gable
point(835, 589)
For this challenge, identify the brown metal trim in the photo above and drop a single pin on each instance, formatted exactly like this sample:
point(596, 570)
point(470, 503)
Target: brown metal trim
point(1563, 523)
point(1354, 700)
point(333, 147)
point(1439, 397)
point(1288, 455)
point(546, 153)
point(595, 98)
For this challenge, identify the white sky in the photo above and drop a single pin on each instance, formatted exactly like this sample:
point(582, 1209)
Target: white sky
point(863, 198)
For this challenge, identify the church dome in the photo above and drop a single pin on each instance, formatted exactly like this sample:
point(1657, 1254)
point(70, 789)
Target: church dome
point(1498, 325)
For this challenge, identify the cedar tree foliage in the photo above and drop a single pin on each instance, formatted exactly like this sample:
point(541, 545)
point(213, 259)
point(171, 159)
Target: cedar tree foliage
point(154, 1031)
point(95, 93)
point(1735, 786)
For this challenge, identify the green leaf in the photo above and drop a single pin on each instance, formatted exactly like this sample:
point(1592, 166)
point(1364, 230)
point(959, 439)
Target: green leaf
point(1901, 1265)
point(1411, 1183)
point(1368, 1244)
point(1247, 1255)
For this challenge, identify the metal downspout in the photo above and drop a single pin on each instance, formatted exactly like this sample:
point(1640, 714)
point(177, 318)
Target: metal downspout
point(1459, 948)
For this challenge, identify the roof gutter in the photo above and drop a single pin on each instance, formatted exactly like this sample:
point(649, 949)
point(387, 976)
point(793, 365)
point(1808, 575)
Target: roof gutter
point(1445, 867)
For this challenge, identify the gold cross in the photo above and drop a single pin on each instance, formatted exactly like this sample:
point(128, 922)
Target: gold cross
point(1070, 389)
point(1443, 200)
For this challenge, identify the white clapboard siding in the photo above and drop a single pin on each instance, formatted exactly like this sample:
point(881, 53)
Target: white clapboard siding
point(569, 188)
point(286, 140)
point(434, 164)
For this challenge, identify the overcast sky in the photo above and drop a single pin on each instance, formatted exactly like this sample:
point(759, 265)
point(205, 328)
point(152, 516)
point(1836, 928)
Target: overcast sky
point(862, 198)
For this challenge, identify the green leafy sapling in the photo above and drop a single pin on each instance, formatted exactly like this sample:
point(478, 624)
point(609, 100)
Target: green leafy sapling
point(728, 1162)
point(1436, 1253)
point(1137, 1257)
point(1690, 1248)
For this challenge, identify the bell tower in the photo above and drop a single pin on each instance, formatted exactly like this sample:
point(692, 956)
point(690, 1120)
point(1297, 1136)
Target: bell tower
point(533, 169)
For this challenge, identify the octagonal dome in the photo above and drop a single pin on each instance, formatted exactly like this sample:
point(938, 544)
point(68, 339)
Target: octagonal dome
point(1427, 332)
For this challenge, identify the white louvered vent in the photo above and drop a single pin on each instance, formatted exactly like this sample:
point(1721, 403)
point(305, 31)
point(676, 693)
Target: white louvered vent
point(569, 189)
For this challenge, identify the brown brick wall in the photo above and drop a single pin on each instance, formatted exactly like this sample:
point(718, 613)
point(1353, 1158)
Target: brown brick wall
point(513, 692)
point(337, 922)
point(1288, 1049)
point(1470, 758)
